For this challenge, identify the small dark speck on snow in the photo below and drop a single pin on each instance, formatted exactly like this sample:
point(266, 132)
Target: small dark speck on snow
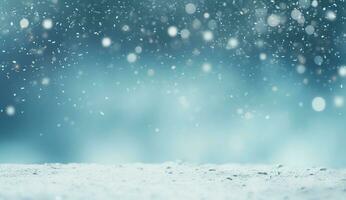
point(262, 173)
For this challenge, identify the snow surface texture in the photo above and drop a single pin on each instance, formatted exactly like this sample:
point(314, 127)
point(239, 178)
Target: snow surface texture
point(169, 181)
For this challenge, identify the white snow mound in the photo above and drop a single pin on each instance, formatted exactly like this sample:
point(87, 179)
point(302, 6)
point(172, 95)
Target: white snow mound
point(169, 181)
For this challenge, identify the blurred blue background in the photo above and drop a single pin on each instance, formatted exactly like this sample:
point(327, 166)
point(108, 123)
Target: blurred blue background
point(152, 81)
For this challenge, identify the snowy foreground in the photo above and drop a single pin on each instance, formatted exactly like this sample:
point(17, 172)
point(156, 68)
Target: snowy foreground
point(169, 181)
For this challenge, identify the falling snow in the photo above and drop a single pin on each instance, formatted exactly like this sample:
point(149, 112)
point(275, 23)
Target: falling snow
point(201, 80)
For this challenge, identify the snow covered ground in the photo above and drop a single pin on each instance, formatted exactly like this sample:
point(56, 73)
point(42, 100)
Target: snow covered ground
point(169, 181)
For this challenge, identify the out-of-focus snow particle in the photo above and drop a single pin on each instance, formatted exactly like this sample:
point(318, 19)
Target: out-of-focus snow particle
point(330, 15)
point(125, 28)
point(206, 67)
point(208, 36)
point(295, 14)
point(339, 101)
point(314, 3)
point(24, 23)
point(301, 59)
point(298, 16)
point(196, 24)
point(47, 24)
point(131, 57)
point(318, 60)
point(185, 34)
point(232, 43)
point(102, 113)
point(157, 130)
point(196, 52)
point(306, 81)
point(273, 20)
point(301, 69)
point(212, 24)
point(240, 111)
point(138, 49)
point(10, 110)
point(318, 104)
point(342, 71)
point(151, 72)
point(184, 102)
point(248, 115)
point(190, 8)
point(260, 26)
point(309, 29)
point(259, 43)
point(263, 56)
point(106, 42)
point(172, 31)
point(261, 12)
point(45, 81)
point(304, 3)
point(206, 15)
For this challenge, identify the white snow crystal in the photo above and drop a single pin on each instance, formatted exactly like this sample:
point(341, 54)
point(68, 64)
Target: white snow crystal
point(339, 101)
point(172, 31)
point(342, 71)
point(47, 24)
point(206, 67)
point(232, 43)
point(208, 36)
point(10, 110)
point(263, 56)
point(24, 23)
point(330, 15)
point(45, 81)
point(318, 104)
point(106, 42)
